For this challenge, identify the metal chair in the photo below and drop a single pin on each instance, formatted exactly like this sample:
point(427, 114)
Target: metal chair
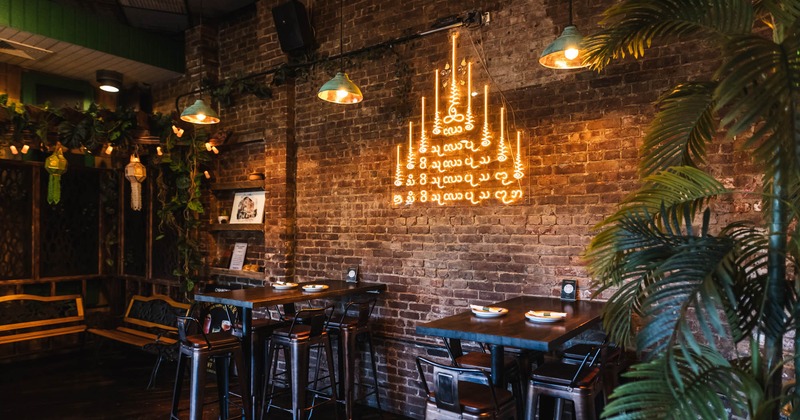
point(199, 348)
point(513, 367)
point(351, 326)
point(581, 383)
point(306, 330)
point(610, 367)
point(461, 393)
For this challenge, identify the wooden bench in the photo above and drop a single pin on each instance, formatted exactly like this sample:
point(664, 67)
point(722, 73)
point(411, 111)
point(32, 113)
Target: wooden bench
point(150, 324)
point(31, 317)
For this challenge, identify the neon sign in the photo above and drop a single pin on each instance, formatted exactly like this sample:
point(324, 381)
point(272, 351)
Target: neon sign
point(458, 164)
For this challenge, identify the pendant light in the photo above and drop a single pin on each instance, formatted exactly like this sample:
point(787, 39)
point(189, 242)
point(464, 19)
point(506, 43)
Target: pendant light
point(340, 89)
point(200, 113)
point(109, 80)
point(566, 51)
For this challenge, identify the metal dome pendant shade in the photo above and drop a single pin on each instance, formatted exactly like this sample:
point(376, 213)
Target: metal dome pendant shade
point(566, 52)
point(340, 90)
point(200, 113)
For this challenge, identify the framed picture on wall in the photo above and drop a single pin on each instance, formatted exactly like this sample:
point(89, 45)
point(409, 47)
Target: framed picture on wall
point(248, 207)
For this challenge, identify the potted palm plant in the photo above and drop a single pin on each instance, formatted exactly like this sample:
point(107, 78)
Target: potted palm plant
point(706, 305)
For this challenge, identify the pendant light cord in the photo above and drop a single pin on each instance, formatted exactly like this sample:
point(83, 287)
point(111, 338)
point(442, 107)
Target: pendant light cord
point(341, 35)
point(570, 12)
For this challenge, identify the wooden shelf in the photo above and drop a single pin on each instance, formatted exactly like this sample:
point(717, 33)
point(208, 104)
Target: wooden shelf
point(240, 185)
point(219, 271)
point(218, 227)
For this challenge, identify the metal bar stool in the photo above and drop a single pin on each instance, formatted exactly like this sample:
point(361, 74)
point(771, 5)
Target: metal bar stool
point(610, 367)
point(306, 330)
point(349, 328)
point(461, 393)
point(220, 346)
point(580, 383)
point(482, 360)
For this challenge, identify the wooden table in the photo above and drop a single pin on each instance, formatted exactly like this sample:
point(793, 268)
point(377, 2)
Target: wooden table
point(513, 329)
point(260, 297)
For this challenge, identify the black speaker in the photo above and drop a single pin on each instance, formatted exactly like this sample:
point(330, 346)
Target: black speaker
point(294, 28)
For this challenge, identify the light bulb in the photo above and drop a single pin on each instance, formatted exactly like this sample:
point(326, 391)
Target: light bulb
point(14, 150)
point(215, 150)
point(109, 149)
point(25, 148)
point(571, 53)
point(341, 94)
point(158, 150)
point(207, 175)
point(208, 146)
point(201, 117)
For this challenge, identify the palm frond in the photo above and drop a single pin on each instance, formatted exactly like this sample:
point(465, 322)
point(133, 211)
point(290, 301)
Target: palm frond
point(681, 129)
point(781, 13)
point(653, 394)
point(631, 26)
point(673, 188)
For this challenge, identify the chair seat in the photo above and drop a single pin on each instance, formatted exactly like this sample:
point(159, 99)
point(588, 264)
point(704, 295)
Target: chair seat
point(299, 332)
point(346, 322)
point(562, 374)
point(483, 361)
point(579, 351)
point(217, 339)
point(477, 398)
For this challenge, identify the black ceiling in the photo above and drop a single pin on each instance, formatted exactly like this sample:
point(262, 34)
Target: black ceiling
point(165, 16)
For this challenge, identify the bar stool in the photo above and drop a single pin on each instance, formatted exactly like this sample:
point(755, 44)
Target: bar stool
point(483, 361)
point(349, 328)
point(610, 367)
point(461, 393)
point(220, 346)
point(582, 384)
point(306, 330)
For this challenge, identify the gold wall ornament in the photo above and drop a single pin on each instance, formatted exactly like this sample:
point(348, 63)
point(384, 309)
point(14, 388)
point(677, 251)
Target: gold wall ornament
point(457, 164)
point(136, 173)
point(55, 165)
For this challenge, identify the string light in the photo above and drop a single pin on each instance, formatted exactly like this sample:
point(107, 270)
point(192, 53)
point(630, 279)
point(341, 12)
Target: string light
point(109, 149)
point(14, 150)
point(215, 150)
point(25, 149)
point(159, 151)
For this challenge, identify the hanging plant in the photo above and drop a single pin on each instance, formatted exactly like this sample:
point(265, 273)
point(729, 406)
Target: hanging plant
point(179, 179)
point(55, 165)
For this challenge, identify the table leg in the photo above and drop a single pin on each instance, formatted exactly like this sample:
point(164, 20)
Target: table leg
point(454, 347)
point(347, 341)
point(498, 374)
point(248, 348)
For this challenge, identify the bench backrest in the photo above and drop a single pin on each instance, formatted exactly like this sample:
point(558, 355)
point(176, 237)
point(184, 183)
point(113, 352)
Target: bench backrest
point(157, 311)
point(29, 311)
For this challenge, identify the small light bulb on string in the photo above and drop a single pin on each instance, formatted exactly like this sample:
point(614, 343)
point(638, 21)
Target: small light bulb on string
point(159, 151)
point(14, 150)
point(215, 150)
point(207, 174)
point(109, 149)
point(208, 146)
point(25, 149)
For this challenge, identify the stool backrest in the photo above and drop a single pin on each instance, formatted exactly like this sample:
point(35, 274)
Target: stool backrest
point(361, 309)
point(316, 318)
point(446, 380)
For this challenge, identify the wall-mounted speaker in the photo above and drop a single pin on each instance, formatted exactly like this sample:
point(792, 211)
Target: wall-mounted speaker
point(294, 28)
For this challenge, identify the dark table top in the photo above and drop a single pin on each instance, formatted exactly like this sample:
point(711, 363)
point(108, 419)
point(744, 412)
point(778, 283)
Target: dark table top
point(513, 329)
point(257, 297)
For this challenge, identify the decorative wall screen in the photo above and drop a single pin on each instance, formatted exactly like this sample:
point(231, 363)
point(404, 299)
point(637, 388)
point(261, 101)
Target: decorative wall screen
point(16, 204)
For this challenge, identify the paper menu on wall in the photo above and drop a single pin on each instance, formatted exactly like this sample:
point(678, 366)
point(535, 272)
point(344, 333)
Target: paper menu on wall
point(237, 258)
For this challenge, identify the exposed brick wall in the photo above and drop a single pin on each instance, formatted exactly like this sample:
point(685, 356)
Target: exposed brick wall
point(329, 168)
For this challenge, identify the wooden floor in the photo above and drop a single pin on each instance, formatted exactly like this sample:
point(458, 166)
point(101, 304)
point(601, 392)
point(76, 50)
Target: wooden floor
point(110, 386)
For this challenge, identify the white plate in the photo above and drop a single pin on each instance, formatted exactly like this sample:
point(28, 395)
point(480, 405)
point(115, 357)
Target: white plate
point(284, 286)
point(493, 311)
point(545, 316)
point(314, 287)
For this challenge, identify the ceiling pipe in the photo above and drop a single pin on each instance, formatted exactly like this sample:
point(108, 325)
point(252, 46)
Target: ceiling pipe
point(467, 20)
